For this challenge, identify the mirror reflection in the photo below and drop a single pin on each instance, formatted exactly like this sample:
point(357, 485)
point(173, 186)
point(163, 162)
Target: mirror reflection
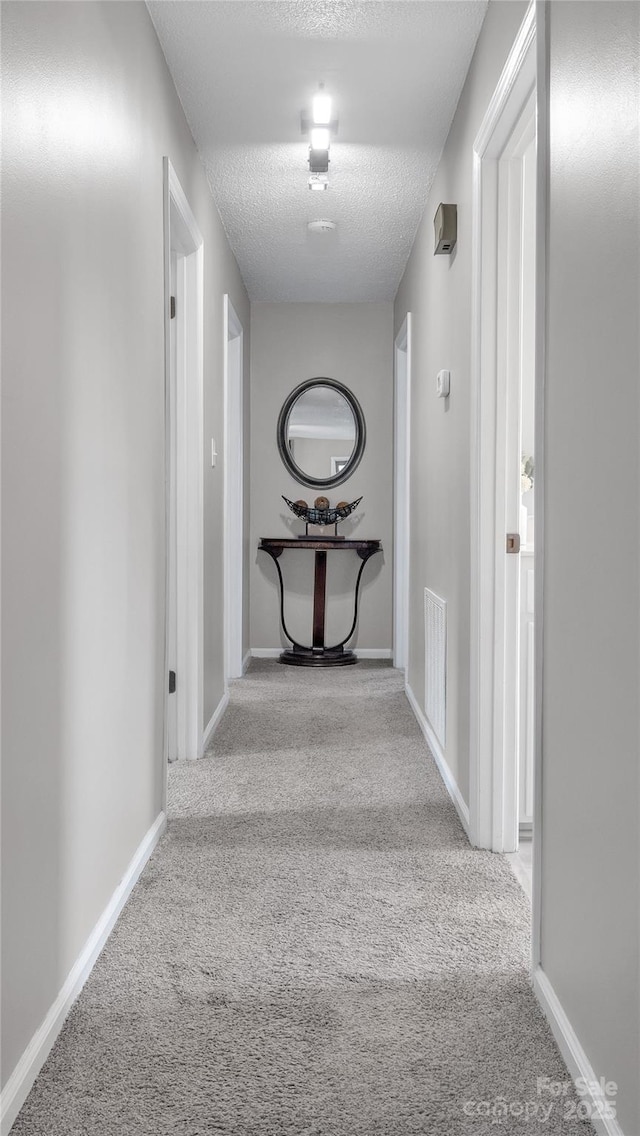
point(321, 432)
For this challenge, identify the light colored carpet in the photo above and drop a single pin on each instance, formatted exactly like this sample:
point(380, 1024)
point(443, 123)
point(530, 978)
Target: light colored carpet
point(314, 949)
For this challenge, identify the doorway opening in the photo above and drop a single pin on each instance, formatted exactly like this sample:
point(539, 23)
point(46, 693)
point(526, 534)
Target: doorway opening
point(516, 378)
point(505, 397)
point(235, 662)
point(402, 441)
point(184, 362)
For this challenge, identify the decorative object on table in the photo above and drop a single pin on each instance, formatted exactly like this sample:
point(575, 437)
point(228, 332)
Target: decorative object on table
point(320, 516)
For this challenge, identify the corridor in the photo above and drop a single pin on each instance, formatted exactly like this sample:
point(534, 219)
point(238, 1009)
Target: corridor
point(314, 948)
point(366, 274)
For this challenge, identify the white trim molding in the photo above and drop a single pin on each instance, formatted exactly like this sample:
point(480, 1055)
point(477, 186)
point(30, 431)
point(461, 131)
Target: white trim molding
point(402, 493)
point(451, 785)
point(214, 721)
point(183, 235)
point(542, 242)
point(233, 518)
point(489, 780)
point(574, 1055)
point(373, 652)
point(21, 1080)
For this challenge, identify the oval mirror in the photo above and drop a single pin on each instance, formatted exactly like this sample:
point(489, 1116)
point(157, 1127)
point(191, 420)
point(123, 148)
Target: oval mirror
point(321, 433)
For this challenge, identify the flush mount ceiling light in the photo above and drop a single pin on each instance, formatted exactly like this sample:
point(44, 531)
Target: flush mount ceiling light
point(322, 107)
point(320, 137)
point(318, 161)
point(320, 127)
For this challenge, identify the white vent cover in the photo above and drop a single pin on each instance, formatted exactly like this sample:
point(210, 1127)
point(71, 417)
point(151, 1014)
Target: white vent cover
point(435, 663)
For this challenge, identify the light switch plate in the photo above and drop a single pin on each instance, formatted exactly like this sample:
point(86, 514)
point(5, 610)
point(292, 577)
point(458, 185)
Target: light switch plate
point(443, 384)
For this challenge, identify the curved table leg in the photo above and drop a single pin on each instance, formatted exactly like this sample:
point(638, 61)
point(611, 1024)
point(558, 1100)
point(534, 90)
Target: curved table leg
point(364, 556)
point(318, 655)
point(275, 554)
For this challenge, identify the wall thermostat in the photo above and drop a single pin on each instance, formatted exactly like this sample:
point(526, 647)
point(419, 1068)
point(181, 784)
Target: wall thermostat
point(445, 224)
point(443, 383)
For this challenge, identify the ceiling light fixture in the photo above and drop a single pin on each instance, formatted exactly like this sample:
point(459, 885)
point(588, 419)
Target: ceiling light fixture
point(320, 137)
point(318, 161)
point(322, 108)
point(320, 128)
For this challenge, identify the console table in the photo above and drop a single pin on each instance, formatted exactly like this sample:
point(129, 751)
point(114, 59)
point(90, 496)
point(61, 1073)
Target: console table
point(319, 655)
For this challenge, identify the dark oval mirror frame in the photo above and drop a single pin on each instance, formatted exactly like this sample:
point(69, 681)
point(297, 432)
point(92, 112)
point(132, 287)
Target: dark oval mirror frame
point(358, 449)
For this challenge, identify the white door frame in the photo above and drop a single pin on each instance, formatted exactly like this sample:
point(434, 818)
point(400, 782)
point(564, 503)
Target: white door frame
point(542, 236)
point(233, 340)
point(181, 232)
point(493, 801)
point(401, 509)
point(513, 323)
point(171, 731)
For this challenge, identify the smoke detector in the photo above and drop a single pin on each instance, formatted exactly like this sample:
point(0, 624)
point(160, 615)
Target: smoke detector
point(321, 226)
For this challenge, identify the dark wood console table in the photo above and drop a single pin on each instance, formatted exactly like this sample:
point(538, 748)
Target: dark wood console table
point(319, 655)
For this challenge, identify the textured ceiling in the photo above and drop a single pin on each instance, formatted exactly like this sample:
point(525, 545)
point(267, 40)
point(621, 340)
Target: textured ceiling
point(245, 69)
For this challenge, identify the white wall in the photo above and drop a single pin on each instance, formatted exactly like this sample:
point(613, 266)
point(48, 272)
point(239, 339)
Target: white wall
point(352, 343)
point(437, 290)
point(89, 112)
point(591, 858)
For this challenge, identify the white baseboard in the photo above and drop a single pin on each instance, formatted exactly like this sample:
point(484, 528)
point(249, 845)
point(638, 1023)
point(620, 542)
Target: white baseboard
point(21, 1080)
point(574, 1055)
point(214, 721)
point(520, 872)
point(361, 652)
point(373, 652)
point(245, 662)
point(451, 784)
